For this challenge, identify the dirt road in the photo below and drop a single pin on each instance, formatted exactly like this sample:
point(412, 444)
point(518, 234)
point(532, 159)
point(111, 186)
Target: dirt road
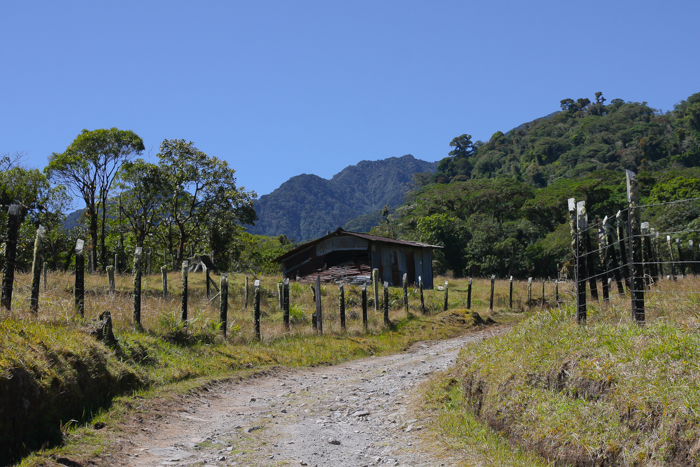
point(354, 414)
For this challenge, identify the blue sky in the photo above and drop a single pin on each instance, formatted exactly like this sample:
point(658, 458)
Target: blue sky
point(279, 88)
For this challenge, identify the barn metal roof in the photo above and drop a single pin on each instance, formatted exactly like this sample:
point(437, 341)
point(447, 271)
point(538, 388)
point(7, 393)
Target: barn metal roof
point(371, 238)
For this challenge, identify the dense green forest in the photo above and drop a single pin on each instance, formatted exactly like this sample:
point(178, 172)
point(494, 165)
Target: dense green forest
point(500, 207)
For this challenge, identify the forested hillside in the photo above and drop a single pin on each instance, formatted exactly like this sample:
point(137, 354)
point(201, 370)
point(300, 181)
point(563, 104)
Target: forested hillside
point(499, 207)
point(306, 206)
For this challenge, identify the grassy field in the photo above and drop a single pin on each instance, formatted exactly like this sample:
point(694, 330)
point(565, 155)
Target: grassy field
point(610, 392)
point(55, 376)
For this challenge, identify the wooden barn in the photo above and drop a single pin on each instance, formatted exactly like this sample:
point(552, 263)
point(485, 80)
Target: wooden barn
point(351, 256)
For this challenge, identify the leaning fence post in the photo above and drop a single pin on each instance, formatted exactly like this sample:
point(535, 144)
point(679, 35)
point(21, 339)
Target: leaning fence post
point(8, 272)
point(36, 269)
point(364, 306)
point(529, 292)
point(422, 300)
point(185, 271)
point(493, 287)
point(110, 278)
point(137, 286)
point(469, 295)
point(375, 285)
point(319, 309)
point(635, 242)
point(445, 306)
point(285, 302)
point(405, 293)
point(80, 277)
point(386, 304)
point(510, 293)
point(256, 308)
point(223, 302)
point(341, 305)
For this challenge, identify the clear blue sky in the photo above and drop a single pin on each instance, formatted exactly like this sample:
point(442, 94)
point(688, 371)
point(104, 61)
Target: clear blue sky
point(279, 88)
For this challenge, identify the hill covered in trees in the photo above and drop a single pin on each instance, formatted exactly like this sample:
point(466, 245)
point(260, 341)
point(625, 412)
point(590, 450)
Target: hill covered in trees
point(306, 206)
point(500, 207)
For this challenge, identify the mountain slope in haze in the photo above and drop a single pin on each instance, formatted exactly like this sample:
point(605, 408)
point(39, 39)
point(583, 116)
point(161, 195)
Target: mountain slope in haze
point(306, 206)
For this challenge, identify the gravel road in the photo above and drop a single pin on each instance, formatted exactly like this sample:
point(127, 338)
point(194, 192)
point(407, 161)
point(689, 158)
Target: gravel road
point(359, 413)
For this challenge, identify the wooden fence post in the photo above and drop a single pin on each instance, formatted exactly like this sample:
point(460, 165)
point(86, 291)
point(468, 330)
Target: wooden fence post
point(635, 242)
point(529, 292)
point(80, 277)
point(589, 258)
point(245, 293)
point(445, 305)
point(581, 225)
point(116, 262)
point(493, 287)
point(375, 284)
point(364, 307)
point(256, 308)
point(285, 302)
point(185, 272)
point(319, 308)
point(341, 305)
point(469, 295)
point(510, 293)
point(603, 260)
point(207, 278)
point(223, 303)
point(422, 300)
point(110, 279)
point(386, 304)
point(405, 293)
point(138, 253)
point(8, 272)
point(36, 269)
point(624, 263)
point(164, 275)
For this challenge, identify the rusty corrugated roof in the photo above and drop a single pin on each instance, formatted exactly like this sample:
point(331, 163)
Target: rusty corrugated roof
point(371, 238)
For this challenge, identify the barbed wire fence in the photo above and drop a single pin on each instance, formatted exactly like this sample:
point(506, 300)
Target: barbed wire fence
point(647, 254)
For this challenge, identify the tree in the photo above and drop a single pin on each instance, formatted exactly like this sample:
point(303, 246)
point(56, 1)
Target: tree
point(88, 167)
point(203, 194)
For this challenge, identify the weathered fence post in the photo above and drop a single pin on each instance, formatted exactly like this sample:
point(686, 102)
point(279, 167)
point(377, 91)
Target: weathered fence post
point(36, 269)
point(469, 295)
point(581, 225)
point(602, 257)
point(510, 293)
point(578, 265)
point(223, 302)
point(45, 270)
point(588, 256)
point(375, 285)
point(8, 272)
point(405, 293)
point(185, 272)
point(612, 255)
point(207, 278)
point(164, 274)
point(386, 304)
point(80, 277)
point(319, 309)
point(256, 308)
point(285, 302)
point(116, 262)
point(529, 292)
point(635, 242)
point(422, 300)
point(445, 305)
point(138, 253)
point(341, 305)
point(364, 307)
point(245, 293)
point(110, 278)
point(493, 287)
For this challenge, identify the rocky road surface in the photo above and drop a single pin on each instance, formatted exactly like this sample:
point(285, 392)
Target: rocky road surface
point(360, 413)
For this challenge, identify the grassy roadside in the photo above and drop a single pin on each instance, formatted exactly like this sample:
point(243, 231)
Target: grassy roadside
point(607, 393)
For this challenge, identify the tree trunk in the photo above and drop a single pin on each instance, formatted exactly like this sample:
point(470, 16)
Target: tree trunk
point(93, 239)
point(103, 247)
